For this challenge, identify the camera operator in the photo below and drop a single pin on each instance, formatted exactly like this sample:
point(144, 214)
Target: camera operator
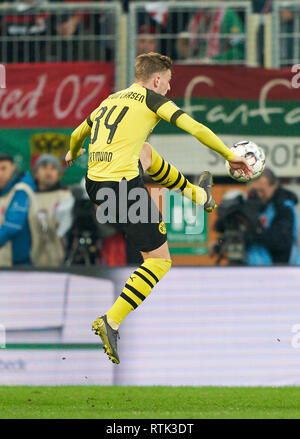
point(55, 212)
point(276, 241)
point(237, 224)
point(261, 229)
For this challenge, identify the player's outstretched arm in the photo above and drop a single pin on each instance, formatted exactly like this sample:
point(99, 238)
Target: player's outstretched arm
point(204, 135)
point(78, 136)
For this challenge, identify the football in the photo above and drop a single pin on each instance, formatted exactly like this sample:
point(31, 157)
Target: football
point(254, 155)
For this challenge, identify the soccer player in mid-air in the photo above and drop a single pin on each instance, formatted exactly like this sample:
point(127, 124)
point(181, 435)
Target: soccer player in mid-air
point(118, 129)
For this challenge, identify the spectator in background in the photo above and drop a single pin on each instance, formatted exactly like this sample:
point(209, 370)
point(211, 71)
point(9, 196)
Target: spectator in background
point(277, 240)
point(264, 7)
point(146, 41)
point(213, 35)
point(165, 23)
point(80, 22)
point(54, 215)
point(17, 209)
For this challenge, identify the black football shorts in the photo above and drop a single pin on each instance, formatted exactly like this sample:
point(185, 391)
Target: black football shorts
point(141, 222)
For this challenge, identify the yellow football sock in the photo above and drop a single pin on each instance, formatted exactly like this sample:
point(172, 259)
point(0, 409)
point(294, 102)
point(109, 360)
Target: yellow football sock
point(168, 176)
point(137, 288)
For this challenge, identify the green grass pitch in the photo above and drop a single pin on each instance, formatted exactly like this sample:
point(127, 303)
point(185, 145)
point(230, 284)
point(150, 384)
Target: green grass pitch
point(97, 402)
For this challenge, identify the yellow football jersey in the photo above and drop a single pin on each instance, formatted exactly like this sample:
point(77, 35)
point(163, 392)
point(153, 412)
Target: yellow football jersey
point(120, 125)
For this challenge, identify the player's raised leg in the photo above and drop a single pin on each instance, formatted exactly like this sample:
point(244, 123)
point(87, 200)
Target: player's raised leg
point(169, 177)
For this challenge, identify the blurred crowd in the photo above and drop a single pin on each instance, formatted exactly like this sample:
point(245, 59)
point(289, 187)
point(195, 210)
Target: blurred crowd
point(45, 223)
point(205, 35)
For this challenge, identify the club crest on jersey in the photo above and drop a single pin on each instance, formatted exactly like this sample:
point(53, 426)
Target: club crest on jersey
point(162, 228)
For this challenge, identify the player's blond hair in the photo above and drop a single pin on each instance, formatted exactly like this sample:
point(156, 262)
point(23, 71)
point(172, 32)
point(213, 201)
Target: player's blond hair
point(149, 63)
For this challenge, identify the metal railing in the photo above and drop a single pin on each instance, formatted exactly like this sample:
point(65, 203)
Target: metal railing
point(285, 33)
point(190, 32)
point(51, 32)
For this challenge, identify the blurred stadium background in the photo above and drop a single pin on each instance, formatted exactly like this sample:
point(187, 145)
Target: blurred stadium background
point(242, 322)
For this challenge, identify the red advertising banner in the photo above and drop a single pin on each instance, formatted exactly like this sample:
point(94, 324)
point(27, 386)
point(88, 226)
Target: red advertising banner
point(53, 94)
point(235, 82)
point(61, 95)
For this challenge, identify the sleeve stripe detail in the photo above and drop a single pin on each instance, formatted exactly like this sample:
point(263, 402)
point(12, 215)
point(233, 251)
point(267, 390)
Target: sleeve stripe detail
point(175, 116)
point(154, 100)
point(160, 169)
point(89, 122)
point(165, 175)
point(176, 182)
point(184, 185)
point(157, 106)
